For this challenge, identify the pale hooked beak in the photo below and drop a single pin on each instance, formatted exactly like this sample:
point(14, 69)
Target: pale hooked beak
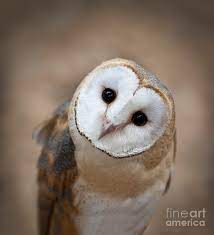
point(108, 128)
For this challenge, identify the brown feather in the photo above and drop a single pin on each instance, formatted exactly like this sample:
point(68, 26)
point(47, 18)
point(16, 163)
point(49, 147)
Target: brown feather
point(173, 158)
point(57, 173)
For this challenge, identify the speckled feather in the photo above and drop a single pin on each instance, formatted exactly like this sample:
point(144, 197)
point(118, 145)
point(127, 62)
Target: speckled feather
point(57, 171)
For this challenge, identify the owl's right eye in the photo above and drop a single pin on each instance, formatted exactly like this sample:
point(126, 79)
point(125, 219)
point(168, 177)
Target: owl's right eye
point(108, 95)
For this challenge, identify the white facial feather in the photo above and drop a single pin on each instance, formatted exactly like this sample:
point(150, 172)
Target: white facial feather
point(91, 111)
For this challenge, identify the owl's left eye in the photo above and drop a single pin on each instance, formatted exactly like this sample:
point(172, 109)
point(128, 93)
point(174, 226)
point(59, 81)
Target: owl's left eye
point(139, 118)
point(108, 95)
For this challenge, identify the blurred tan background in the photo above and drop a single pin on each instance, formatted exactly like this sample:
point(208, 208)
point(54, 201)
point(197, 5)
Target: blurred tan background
point(47, 47)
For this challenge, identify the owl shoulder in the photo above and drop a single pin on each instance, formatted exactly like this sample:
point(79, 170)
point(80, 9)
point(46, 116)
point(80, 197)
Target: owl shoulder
point(57, 155)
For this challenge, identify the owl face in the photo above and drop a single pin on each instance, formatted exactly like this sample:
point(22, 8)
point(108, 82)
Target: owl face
point(119, 111)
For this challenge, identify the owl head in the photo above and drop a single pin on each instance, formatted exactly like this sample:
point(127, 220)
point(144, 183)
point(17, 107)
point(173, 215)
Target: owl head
point(124, 110)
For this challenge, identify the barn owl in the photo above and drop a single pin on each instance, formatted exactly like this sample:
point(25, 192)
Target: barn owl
point(107, 154)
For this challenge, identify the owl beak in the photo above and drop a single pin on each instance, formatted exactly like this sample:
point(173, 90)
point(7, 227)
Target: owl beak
point(110, 128)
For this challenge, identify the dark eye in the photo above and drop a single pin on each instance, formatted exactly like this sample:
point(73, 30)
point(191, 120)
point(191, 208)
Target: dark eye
point(108, 95)
point(139, 118)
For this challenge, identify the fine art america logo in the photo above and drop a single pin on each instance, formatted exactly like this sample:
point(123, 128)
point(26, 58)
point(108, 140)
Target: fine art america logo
point(185, 218)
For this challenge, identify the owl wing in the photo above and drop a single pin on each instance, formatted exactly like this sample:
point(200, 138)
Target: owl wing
point(174, 150)
point(56, 166)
